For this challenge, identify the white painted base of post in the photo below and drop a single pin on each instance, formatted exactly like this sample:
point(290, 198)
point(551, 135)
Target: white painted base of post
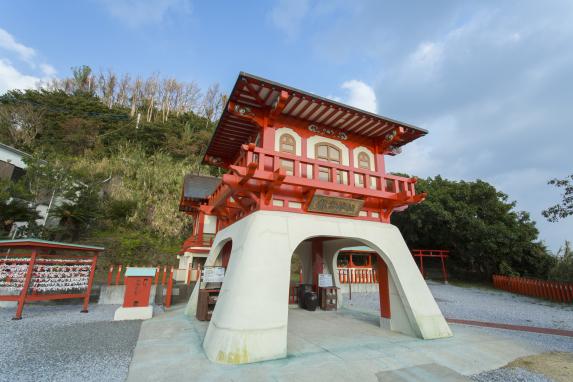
point(135, 313)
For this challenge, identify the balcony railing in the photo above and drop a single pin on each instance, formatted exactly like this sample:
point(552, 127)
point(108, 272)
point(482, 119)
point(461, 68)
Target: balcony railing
point(326, 172)
point(205, 240)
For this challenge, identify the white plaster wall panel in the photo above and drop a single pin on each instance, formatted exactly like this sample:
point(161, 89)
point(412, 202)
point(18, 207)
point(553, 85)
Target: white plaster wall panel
point(316, 139)
point(288, 130)
point(210, 224)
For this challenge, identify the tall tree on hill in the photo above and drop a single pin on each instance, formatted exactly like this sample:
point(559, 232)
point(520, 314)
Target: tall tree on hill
point(83, 80)
point(565, 207)
point(22, 121)
point(479, 226)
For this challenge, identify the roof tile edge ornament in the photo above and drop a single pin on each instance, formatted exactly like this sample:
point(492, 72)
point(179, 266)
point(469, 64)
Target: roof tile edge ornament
point(324, 131)
point(243, 110)
point(215, 161)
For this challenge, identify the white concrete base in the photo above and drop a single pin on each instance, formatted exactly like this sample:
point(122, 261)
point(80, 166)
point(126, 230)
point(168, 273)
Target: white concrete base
point(136, 313)
point(385, 323)
point(249, 323)
point(359, 288)
point(8, 304)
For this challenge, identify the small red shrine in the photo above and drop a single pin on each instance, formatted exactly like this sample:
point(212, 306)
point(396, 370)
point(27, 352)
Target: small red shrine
point(305, 175)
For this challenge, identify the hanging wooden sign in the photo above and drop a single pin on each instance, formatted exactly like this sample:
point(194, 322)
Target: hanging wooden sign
point(336, 206)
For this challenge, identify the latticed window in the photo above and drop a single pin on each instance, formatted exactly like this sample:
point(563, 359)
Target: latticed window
point(330, 153)
point(364, 161)
point(287, 144)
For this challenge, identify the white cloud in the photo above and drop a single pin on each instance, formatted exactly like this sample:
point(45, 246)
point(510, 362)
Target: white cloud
point(11, 78)
point(9, 43)
point(288, 15)
point(360, 95)
point(491, 83)
point(136, 13)
point(48, 70)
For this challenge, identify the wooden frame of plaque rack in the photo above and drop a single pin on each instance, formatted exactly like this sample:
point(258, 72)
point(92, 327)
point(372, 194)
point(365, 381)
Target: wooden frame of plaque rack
point(207, 298)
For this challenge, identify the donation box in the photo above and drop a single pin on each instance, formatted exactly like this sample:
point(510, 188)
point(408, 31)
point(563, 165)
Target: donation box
point(138, 282)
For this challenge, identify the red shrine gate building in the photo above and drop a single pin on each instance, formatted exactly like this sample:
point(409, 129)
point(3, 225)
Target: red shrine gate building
point(304, 175)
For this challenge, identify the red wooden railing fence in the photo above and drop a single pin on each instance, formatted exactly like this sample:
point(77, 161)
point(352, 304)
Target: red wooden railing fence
point(116, 274)
point(357, 276)
point(549, 290)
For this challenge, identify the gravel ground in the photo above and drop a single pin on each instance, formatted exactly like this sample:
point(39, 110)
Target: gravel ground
point(481, 304)
point(58, 343)
point(514, 374)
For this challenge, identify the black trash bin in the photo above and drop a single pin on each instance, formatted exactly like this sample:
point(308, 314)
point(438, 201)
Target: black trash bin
point(302, 289)
point(310, 301)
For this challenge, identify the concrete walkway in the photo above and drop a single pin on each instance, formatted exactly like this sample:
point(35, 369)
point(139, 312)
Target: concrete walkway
point(323, 346)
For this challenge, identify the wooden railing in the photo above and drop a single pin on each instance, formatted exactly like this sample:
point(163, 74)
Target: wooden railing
point(357, 275)
point(116, 274)
point(205, 240)
point(549, 290)
point(311, 169)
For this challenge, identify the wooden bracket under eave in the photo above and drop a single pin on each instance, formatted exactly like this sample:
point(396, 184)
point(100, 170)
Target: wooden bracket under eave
point(279, 176)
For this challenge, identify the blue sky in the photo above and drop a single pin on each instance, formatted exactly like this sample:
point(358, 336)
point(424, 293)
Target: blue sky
point(491, 80)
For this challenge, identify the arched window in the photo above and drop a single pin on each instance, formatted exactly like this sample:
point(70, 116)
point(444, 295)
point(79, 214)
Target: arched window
point(287, 144)
point(364, 161)
point(330, 153)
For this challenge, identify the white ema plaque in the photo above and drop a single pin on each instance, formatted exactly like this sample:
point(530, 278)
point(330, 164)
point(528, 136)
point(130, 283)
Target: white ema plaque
point(213, 274)
point(324, 280)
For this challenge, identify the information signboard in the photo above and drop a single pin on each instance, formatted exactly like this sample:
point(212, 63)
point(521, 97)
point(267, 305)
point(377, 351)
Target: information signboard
point(213, 274)
point(324, 280)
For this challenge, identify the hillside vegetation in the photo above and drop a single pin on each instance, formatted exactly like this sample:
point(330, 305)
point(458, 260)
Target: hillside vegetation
point(117, 149)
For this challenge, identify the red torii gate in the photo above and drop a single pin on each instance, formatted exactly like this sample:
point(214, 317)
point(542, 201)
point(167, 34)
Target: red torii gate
point(35, 269)
point(442, 254)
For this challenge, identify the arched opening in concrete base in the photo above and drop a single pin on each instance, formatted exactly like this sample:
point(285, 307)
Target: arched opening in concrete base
point(250, 321)
point(319, 255)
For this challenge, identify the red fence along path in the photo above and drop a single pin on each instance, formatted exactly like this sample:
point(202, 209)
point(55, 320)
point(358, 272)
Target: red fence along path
point(549, 290)
point(116, 274)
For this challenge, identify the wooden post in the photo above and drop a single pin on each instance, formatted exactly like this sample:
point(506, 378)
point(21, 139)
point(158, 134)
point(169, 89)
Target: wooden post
point(118, 274)
point(109, 275)
point(349, 284)
point(169, 289)
point(383, 287)
point(444, 270)
point(90, 283)
point(24, 291)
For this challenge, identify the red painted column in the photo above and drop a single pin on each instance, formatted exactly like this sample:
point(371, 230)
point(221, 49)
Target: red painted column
point(90, 283)
point(383, 287)
point(268, 143)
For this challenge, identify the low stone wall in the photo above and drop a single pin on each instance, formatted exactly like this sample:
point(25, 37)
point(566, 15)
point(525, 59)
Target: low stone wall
point(359, 288)
point(8, 304)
